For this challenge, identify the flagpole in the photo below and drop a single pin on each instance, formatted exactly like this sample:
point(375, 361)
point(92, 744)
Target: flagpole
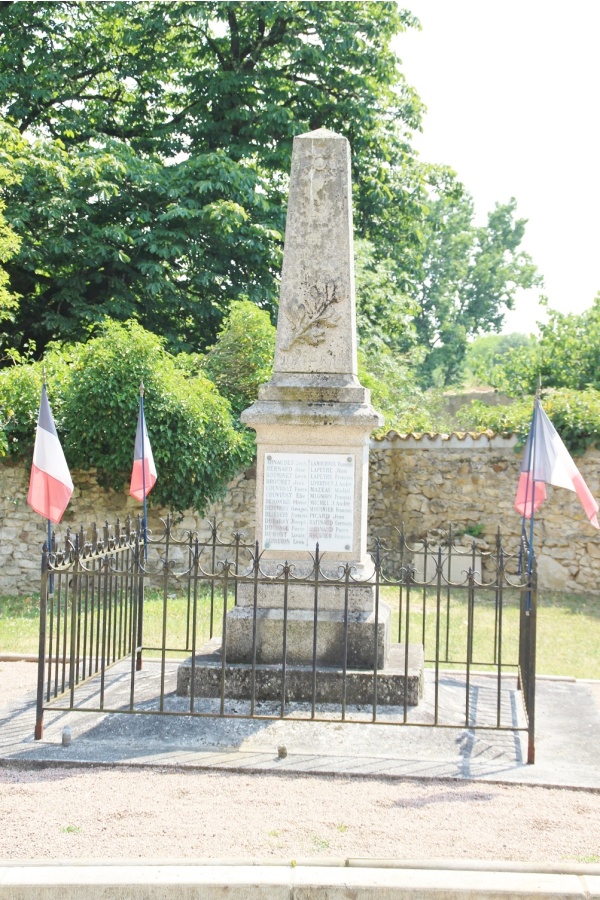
point(48, 522)
point(532, 453)
point(530, 481)
point(144, 520)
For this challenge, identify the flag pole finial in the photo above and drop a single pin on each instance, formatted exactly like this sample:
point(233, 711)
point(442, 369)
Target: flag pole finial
point(141, 388)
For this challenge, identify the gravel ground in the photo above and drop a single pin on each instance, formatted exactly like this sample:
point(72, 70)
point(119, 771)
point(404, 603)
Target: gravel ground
point(60, 813)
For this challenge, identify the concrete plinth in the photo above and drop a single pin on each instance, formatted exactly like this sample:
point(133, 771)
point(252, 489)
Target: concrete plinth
point(299, 681)
point(300, 636)
point(302, 595)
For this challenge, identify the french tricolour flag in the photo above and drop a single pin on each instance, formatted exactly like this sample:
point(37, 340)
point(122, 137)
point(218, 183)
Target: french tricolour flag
point(547, 461)
point(50, 485)
point(143, 475)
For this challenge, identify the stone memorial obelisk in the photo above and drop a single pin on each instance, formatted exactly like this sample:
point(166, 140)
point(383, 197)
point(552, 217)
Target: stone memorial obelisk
point(313, 421)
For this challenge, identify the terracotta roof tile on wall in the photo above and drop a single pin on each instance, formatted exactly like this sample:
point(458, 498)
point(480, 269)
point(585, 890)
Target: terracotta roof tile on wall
point(440, 440)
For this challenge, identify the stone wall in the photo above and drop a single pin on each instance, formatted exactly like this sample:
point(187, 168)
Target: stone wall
point(429, 481)
point(425, 482)
point(22, 532)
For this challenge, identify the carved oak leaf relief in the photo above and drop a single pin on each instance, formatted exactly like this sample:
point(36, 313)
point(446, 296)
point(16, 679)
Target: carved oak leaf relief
point(313, 315)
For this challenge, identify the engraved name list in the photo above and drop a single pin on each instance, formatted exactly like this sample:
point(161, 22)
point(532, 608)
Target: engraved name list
point(308, 498)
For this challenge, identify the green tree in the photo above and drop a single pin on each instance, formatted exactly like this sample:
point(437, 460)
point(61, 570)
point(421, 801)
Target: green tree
point(10, 242)
point(469, 278)
point(384, 309)
point(570, 349)
point(242, 358)
point(107, 232)
point(488, 352)
point(395, 392)
point(566, 355)
point(574, 414)
point(153, 181)
point(164, 130)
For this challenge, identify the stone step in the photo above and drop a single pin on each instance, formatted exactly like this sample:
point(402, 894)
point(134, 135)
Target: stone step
point(208, 675)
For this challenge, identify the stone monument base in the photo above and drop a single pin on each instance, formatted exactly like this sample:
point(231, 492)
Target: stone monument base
point(331, 636)
point(299, 679)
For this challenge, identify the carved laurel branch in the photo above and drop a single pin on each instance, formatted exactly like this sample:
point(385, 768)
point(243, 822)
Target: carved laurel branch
point(313, 315)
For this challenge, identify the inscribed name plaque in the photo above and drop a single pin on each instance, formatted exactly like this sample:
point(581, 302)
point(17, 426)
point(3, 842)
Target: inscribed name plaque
point(308, 499)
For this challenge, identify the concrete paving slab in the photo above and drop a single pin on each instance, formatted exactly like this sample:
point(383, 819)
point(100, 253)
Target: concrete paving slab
point(568, 733)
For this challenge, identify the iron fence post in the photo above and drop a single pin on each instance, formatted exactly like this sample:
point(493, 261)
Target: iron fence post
point(316, 574)
point(226, 574)
point(139, 566)
point(409, 579)
point(255, 574)
point(438, 613)
point(286, 576)
point(347, 570)
point(194, 570)
point(165, 571)
point(39, 715)
point(470, 629)
point(532, 664)
point(376, 641)
point(74, 647)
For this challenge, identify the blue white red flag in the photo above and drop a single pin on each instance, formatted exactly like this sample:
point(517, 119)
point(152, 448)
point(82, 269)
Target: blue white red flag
point(143, 475)
point(547, 461)
point(50, 485)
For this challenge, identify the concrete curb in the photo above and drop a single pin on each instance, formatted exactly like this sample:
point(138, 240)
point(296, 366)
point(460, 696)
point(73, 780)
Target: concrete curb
point(288, 882)
point(331, 862)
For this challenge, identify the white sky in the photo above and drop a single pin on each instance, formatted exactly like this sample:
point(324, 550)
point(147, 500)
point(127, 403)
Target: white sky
point(512, 91)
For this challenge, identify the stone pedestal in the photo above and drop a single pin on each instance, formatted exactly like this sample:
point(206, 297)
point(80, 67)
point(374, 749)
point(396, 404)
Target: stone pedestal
point(331, 642)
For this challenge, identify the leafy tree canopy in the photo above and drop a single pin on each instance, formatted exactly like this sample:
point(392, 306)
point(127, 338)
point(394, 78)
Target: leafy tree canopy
point(486, 353)
point(150, 146)
point(566, 355)
point(469, 278)
point(10, 243)
point(242, 358)
point(153, 179)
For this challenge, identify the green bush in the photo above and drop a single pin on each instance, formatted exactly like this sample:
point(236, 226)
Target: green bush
point(20, 388)
point(242, 358)
point(94, 392)
point(395, 392)
point(574, 414)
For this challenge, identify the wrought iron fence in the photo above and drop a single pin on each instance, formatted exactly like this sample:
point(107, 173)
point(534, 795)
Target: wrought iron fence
point(110, 603)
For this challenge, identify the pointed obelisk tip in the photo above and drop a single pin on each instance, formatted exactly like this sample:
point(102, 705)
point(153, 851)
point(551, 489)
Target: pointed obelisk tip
point(320, 134)
point(316, 328)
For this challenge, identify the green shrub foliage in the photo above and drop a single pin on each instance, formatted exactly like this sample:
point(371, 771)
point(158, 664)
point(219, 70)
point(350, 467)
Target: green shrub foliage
point(94, 392)
point(574, 414)
point(242, 358)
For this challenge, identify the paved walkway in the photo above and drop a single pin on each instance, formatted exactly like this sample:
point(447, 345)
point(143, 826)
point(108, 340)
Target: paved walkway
point(567, 738)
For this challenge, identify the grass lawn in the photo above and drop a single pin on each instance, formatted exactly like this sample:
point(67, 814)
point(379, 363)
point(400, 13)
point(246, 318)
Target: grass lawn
point(568, 632)
point(568, 629)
